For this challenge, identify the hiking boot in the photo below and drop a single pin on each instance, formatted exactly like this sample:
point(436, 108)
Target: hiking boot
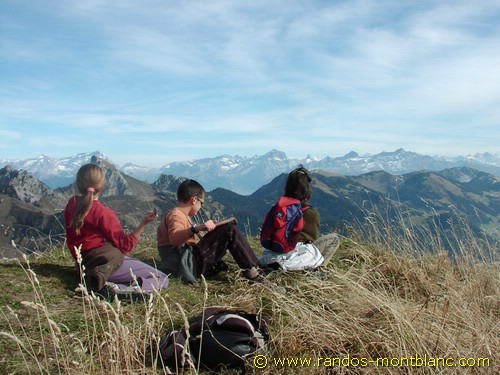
point(254, 274)
point(250, 273)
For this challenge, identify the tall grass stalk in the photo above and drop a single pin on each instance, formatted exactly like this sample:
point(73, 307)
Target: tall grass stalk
point(386, 293)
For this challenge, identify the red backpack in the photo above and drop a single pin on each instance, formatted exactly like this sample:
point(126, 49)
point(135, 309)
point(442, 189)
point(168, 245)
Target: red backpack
point(282, 225)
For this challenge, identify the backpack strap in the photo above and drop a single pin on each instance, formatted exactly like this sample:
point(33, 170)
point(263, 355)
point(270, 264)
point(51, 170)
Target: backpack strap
point(235, 322)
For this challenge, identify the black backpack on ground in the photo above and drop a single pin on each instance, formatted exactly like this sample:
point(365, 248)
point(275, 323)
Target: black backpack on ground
point(219, 338)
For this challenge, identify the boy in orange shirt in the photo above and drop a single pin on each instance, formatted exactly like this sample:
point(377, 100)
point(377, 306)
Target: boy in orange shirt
point(187, 255)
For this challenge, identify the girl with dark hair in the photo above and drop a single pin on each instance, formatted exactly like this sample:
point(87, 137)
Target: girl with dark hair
point(94, 232)
point(302, 254)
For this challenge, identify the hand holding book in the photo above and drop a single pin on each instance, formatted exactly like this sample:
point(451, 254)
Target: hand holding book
point(211, 224)
point(230, 220)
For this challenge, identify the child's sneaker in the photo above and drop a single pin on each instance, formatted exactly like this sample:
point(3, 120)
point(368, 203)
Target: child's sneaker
point(254, 274)
point(131, 294)
point(108, 292)
point(125, 294)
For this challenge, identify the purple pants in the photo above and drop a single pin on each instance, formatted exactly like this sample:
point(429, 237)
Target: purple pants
point(148, 277)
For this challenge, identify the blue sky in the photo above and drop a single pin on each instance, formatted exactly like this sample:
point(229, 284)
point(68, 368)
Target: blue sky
point(157, 81)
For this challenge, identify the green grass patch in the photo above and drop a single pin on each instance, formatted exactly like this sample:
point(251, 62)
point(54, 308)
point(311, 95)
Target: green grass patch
point(369, 302)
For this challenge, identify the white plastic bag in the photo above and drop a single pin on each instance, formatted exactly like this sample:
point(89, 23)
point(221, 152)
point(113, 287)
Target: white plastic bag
point(305, 256)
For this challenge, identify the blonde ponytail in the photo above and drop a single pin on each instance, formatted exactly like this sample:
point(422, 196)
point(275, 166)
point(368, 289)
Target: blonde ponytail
point(90, 180)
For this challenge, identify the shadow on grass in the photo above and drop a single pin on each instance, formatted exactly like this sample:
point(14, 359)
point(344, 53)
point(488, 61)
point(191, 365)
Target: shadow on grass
point(66, 274)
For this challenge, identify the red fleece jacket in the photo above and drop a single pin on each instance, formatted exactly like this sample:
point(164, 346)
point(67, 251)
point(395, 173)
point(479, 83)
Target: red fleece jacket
point(101, 225)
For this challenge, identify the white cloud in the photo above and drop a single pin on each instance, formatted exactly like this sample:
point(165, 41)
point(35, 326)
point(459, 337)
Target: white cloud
point(381, 68)
point(466, 82)
point(158, 51)
point(55, 141)
point(9, 134)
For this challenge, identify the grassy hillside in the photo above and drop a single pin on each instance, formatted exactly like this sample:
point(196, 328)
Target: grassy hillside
point(370, 302)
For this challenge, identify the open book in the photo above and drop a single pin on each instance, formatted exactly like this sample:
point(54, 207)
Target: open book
point(226, 221)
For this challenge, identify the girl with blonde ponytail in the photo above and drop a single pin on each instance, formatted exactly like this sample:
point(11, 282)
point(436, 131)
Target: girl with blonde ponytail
point(90, 181)
point(104, 246)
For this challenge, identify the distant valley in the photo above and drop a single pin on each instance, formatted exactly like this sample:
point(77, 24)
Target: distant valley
point(30, 211)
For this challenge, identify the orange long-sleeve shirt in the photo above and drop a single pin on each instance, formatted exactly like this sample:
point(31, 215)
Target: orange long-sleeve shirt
point(175, 229)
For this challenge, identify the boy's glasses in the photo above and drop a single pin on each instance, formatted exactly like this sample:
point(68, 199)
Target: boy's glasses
point(201, 201)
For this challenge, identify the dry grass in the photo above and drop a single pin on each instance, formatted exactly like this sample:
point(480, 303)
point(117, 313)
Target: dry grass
point(372, 301)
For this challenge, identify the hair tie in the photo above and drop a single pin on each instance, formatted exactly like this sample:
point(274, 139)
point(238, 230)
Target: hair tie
point(90, 190)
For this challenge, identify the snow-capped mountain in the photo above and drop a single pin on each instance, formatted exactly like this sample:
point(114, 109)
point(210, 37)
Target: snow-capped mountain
point(238, 173)
point(141, 172)
point(245, 174)
point(55, 172)
point(479, 158)
point(118, 183)
point(396, 162)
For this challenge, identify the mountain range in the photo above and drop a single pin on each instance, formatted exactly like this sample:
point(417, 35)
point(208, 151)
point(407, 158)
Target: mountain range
point(54, 172)
point(245, 175)
point(30, 210)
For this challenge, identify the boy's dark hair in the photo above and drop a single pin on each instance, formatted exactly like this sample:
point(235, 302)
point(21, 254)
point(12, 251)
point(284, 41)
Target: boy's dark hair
point(188, 189)
point(298, 184)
